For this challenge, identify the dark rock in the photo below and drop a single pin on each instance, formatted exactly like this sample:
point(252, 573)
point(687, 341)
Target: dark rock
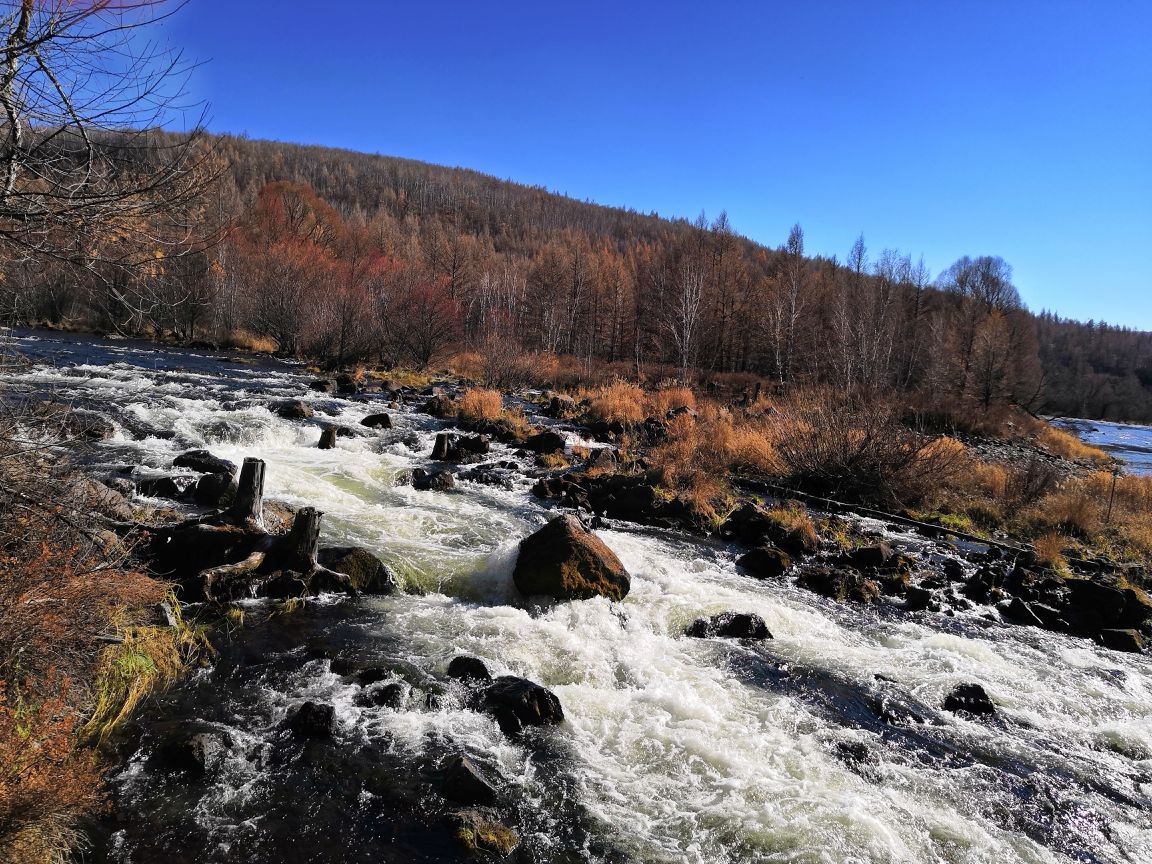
point(440, 406)
point(602, 457)
point(545, 442)
point(87, 425)
point(894, 583)
point(435, 481)
point(327, 439)
point(730, 625)
point(917, 598)
point(566, 561)
point(214, 490)
point(322, 385)
point(312, 720)
point(366, 573)
point(377, 421)
point(346, 385)
point(292, 409)
point(561, 406)
point(204, 462)
point(196, 752)
point(500, 428)
point(390, 695)
point(457, 448)
point(1137, 608)
point(465, 783)
point(1122, 640)
point(839, 585)
point(870, 557)
point(755, 526)
point(468, 669)
point(1093, 606)
point(1020, 612)
point(854, 753)
point(765, 562)
point(518, 702)
point(163, 487)
point(969, 698)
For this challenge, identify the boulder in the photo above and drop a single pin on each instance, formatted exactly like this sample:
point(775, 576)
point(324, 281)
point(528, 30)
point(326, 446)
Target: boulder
point(730, 625)
point(312, 720)
point(377, 421)
point(602, 457)
point(1137, 609)
point(566, 561)
point(561, 406)
point(197, 752)
point(755, 526)
point(292, 409)
point(468, 669)
point(765, 562)
point(518, 702)
point(392, 695)
point(917, 598)
point(366, 573)
point(204, 462)
point(869, 557)
point(457, 448)
point(214, 490)
point(435, 481)
point(346, 385)
point(839, 585)
point(1122, 640)
point(1093, 606)
point(465, 783)
point(163, 487)
point(91, 496)
point(545, 442)
point(439, 406)
point(970, 699)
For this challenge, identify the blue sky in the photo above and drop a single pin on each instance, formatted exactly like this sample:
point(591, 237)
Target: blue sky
point(1019, 129)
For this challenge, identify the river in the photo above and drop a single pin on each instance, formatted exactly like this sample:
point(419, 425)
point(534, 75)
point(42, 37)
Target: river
point(672, 750)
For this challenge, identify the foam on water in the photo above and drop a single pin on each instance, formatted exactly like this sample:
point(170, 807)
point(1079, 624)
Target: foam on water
point(678, 749)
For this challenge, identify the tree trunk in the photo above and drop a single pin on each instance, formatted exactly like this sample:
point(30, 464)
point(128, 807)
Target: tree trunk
point(248, 506)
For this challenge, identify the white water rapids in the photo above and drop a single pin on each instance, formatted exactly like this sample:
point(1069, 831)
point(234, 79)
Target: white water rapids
point(674, 749)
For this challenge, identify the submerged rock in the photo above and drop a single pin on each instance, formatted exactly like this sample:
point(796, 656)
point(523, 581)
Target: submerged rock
point(566, 561)
point(377, 421)
point(312, 720)
point(465, 783)
point(969, 698)
point(765, 562)
point(366, 573)
point(732, 625)
point(468, 669)
point(434, 481)
point(518, 702)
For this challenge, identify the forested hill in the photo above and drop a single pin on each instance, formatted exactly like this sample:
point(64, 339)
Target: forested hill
point(347, 256)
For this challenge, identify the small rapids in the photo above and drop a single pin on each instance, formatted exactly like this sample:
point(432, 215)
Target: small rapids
point(824, 744)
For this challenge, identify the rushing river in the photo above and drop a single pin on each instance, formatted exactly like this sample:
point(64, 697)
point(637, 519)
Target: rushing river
point(1128, 442)
point(673, 749)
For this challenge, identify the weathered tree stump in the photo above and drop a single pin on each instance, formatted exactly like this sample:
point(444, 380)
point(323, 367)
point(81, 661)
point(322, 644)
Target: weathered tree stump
point(248, 506)
point(327, 439)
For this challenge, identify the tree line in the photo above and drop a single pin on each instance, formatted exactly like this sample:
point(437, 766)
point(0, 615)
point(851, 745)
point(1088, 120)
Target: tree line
point(349, 257)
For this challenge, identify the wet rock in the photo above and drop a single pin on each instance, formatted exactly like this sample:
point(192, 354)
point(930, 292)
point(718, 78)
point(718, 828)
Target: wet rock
point(875, 556)
point(87, 425)
point(459, 448)
point(439, 406)
point(970, 699)
point(434, 481)
point(755, 526)
point(312, 720)
point(1093, 606)
point(214, 490)
point(465, 783)
point(603, 458)
point(1137, 609)
point(377, 421)
point(566, 561)
point(292, 409)
point(1020, 612)
point(561, 406)
point(204, 462)
point(854, 753)
point(839, 585)
point(468, 669)
point(765, 562)
point(163, 487)
point(346, 385)
point(894, 583)
point(545, 442)
point(366, 573)
point(500, 428)
point(322, 385)
point(518, 702)
point(479, 834)
point(195, 752)
point(1122, 640)
point(729, 625)
point(327, 439)
point(393, 694)
point(121, 485)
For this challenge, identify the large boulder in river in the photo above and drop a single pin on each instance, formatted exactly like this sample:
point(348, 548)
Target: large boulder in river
point(545, 442)
point(292, 409)
point(312, 720)
point(730, 625)
point(366, 573)
point(566, 561)
point(969, 699)
point(465, 782)
point(377, 421)
point(765, 562)
point(1122, 640)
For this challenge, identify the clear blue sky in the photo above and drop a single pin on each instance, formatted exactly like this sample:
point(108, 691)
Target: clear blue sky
point(1020, 129)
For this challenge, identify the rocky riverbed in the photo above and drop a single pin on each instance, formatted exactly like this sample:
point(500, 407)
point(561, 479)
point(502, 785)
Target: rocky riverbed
point(760, 695)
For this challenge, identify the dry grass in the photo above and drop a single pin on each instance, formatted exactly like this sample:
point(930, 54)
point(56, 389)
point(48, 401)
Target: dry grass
point(669, 398)
point(242, 340)
point(1064, 444)
point(1049, 549)
point(477, 403)
point(617, 402)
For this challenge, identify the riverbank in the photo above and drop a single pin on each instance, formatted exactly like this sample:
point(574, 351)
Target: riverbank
point(453, 551)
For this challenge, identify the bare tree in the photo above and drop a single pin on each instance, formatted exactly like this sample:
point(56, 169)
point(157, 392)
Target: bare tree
point(86, 175)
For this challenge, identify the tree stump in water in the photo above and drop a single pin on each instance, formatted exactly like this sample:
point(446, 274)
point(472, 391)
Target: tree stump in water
point(327, 439)
point(248, 505)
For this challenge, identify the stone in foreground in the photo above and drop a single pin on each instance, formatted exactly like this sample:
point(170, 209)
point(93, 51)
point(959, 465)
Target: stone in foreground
point(566, 561)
